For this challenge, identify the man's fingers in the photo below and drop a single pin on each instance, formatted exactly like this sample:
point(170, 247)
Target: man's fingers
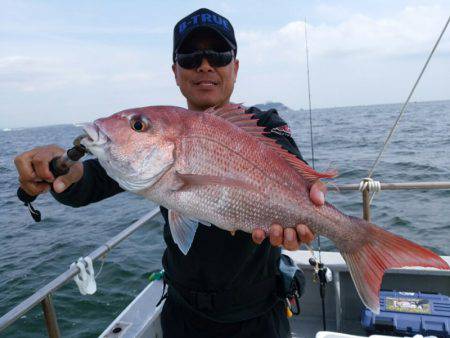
point(35, 188)
point(317, 193)
point(33, 168)
point(276, 234)
point(258, 236)
point(24, 167)
point(290, 241)
point(75, 173)
point(40, 163)
point(42, 159)
point(304, 233)
point(33, 165)
point(289, 238)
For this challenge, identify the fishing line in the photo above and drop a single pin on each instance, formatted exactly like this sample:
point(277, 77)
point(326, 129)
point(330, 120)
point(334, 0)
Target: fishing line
point(310, 118)
point(319, 267)
point(310, 112)
point(402, 111)
point(309, 97)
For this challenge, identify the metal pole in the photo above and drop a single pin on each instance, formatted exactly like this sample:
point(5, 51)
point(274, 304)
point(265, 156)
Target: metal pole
point(366, 204)
point(337, 299)
point(396, 186)
point(50, 317)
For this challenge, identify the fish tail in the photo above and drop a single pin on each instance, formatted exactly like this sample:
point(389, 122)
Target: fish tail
point(383, 251)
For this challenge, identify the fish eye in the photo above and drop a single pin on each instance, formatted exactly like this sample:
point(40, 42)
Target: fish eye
point(139, 124)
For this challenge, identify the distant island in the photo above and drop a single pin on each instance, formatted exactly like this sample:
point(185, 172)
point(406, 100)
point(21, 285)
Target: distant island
point(280, 107)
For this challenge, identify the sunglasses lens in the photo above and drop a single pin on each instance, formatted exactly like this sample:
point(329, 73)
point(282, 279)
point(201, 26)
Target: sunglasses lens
point(190, 61)
point(218, 59)
point(194, 60)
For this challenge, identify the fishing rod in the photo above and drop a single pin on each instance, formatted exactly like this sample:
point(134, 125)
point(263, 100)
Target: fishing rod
point(322, 273)
point(59, 165)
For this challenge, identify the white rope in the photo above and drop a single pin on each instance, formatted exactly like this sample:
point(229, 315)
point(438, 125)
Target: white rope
point(85, 278)
point(101, 266)
point(371, 185)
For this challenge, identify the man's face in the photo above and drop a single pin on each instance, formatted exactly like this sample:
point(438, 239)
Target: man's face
point(206, 86)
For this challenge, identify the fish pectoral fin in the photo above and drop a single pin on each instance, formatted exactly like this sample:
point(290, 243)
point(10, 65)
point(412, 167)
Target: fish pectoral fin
point(182, 229)
point(191, 180)
point(177, 183)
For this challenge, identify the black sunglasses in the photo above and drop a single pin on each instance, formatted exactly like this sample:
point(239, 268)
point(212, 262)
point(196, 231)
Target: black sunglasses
point(194, 60)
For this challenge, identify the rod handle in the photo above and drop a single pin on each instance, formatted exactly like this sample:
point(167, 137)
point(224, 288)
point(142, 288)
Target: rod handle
point(27, 199)
point(24, 197)
point(54, 169)
point(57, 168)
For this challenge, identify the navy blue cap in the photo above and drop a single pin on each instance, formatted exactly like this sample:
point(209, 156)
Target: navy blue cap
point(200, 19)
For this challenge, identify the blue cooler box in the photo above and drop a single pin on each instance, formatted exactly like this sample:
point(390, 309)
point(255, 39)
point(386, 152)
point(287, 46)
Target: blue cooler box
point(409, 313)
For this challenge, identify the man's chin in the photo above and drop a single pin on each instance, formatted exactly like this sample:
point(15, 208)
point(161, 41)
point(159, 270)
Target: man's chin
point(208, 102)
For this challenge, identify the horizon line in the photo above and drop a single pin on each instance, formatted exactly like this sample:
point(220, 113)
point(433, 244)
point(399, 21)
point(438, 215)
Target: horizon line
point(5, 128)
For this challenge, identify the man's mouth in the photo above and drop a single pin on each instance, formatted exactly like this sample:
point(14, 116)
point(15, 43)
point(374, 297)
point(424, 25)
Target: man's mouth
point(205, 83)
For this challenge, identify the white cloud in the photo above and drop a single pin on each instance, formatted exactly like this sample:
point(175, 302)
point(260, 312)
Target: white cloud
point(410, 32)
point(75, 69)
point(40, 74)
point(332, 12)
point(29, 74)
point(359, 60)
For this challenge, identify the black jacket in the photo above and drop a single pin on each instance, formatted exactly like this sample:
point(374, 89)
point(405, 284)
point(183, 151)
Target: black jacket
point(217, 262)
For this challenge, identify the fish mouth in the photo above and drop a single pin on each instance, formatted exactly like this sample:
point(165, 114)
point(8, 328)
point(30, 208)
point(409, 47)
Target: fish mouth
point(95, 137)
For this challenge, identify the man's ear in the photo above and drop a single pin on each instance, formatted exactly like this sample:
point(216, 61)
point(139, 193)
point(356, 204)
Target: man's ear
point(236, 69)
point(174, 69)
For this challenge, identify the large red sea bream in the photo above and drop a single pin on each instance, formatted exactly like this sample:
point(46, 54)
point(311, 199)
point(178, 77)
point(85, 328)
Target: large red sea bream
point(217, 167)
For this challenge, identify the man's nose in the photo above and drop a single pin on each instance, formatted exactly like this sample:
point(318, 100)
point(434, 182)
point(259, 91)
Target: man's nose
point(205, 66)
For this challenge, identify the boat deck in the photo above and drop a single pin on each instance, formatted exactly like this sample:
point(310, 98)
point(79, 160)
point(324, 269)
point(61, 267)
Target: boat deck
point(342, 304)
point(308, 326)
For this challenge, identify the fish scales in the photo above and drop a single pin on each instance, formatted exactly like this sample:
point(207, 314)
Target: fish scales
point(210, 151)
point(216, 167)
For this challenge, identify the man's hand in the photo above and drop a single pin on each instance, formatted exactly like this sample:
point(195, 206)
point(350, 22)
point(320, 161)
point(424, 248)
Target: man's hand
point(291, 238)
point(34, 173)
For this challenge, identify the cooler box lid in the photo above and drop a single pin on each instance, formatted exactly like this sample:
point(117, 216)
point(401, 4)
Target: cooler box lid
point(409, 313)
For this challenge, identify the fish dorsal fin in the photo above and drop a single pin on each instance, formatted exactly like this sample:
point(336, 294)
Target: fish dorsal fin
point(235, 113)
point(231, 109)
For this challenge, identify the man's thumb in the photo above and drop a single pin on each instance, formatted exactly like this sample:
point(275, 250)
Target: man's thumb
point(61, 183)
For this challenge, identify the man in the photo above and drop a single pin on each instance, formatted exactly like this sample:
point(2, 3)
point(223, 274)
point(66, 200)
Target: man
point(226, 286)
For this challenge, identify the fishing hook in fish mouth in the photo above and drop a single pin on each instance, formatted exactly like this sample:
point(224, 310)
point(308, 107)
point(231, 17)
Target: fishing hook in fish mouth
point(94, 136)
point(77, 143)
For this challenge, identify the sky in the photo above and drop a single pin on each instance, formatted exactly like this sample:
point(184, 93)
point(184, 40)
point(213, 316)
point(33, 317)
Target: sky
point(74, 61)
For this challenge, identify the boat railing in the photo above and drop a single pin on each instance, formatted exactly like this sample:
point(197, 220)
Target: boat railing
point(366, 193)
point(44, 294)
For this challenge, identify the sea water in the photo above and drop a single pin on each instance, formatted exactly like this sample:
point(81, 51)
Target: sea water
point(348, 139)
